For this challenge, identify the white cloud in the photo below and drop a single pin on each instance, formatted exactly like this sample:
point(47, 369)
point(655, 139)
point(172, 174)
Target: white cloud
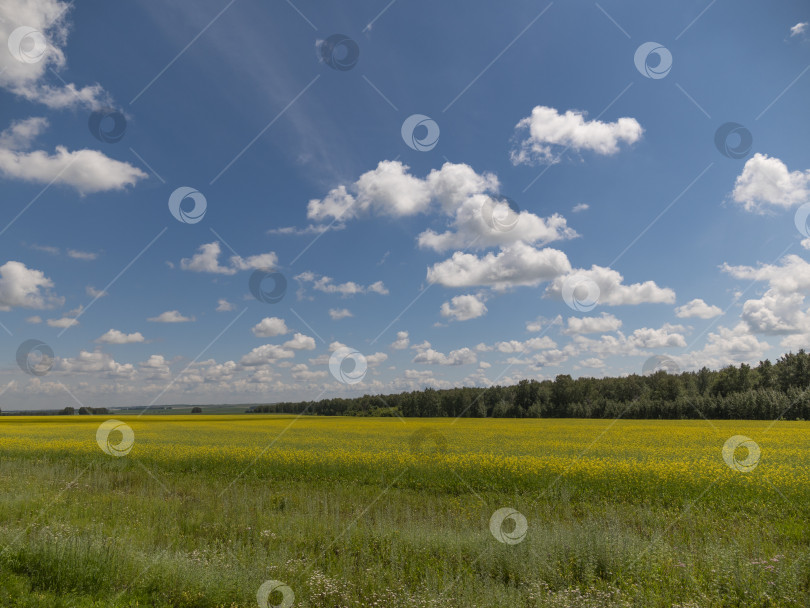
point(401, 342)
point(666, 336)
point(776, 312)
point(464, 308)
point(86, 170)
point(113, 336)
point(81, 255)
point(791, 275)
point(375, 359)
point(90, 362)
point(207, 260)
point(23, 287)
point(592, 363)
point(541, 323)
point(516, 346)
point(350, 288)
point(581, 207)
point(604, 323)
point(269, 327)
point(339, 313)
point(612, 291)
point(310, 229)
point(26, 78)
point(300, 342)
point(265, 355)
point(224, 306)
point(156, 366)
point(550, 133)
point(425, 354)
point(798, 29)
point(518, 264)
point(477, 214)
point(698, 308)
point(62, 322)
point(386, 190)
point(766, 181)
point(725, 347)
point(170, 316)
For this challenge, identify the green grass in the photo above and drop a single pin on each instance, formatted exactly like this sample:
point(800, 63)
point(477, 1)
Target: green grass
point(86, 530)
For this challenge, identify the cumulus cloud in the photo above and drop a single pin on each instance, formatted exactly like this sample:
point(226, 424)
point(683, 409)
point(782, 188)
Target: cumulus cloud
point(170, 316)
point(781, 309)
point(666, 336)
point(23, 287)
point(327, 285)
point(541, 323)
point(266, 355)
point(86, 170)
point(90, 362)
point(604, 323)
point(426, 354)
point(156, 366)
point(698, 308)
point(224, 306)
point(790, 275)
point(798, 29)
point(339, 313)
point(207, 260)
point(516, 346)
point(300, 342)
point(62, 322)
point(401, 342)
point(612, 290)
point(766, 181)
point(269, 327)
point(549, 134)
point(470, 200)
point(518, 264)
point(463, 308)
point(726, 346)
point(27, 79)
point(581, 207)
point(114, 336)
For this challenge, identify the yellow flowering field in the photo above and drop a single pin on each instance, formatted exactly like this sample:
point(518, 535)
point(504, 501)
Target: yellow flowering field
point(204, 511)
point(484, 453)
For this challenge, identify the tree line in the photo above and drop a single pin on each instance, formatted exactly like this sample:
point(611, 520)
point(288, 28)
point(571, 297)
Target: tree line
point(765, 392)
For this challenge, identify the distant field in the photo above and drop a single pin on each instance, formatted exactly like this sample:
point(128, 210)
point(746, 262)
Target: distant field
point(398, 512)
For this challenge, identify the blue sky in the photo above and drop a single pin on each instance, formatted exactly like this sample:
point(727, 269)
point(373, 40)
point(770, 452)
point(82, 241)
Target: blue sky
point(634, 236)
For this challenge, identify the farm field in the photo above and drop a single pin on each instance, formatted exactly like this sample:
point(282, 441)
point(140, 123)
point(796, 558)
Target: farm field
point(201, 511)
